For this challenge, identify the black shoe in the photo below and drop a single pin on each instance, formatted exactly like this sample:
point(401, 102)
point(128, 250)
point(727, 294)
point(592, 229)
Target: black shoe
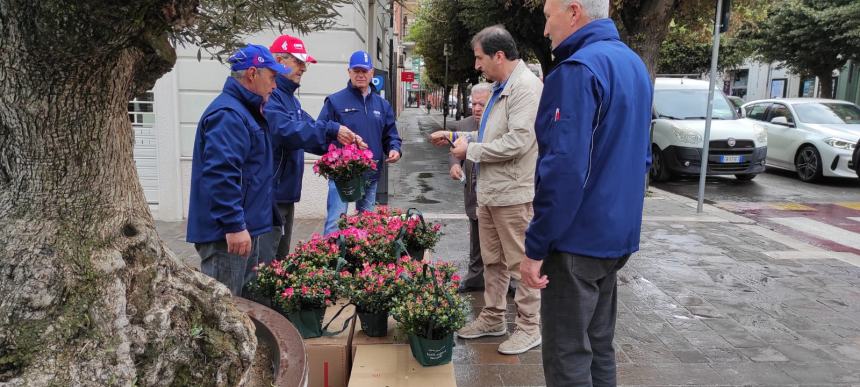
point(468, 289)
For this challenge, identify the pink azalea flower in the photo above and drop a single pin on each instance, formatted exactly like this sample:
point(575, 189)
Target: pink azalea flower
point(288, 292)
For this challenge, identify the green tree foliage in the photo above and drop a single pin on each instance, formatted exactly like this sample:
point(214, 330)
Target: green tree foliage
point(437, 24)
point(524, 19)
point(218, 25)
point(687, 46)
point(812, 37)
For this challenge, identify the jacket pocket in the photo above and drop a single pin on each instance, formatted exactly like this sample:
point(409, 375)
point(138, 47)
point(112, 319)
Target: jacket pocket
point(259, 149)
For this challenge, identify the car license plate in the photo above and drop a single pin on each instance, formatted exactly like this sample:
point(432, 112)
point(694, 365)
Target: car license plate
point(731, 159)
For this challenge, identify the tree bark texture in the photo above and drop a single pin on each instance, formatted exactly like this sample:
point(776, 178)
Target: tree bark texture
point(89, 295)
point(825, 80)
point(645, 24)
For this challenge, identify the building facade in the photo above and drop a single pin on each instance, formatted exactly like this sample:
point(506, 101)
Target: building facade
point(165, 119)
point(756, 80)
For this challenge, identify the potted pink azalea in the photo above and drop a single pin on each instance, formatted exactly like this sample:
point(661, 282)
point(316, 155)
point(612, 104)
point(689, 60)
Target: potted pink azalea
point(371, 289)
point(347, 167)
point(301, 291)
point(428, 308)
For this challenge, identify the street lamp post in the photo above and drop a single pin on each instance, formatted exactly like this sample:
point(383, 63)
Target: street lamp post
point(447, 52)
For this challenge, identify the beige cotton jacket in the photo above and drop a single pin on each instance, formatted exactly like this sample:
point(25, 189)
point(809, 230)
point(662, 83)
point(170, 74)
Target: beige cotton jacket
point(508, 153)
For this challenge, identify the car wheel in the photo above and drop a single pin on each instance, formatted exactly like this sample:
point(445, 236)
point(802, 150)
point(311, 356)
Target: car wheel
point(808, 164)
point(855, 159)
point(746, 176)
point(659, 170)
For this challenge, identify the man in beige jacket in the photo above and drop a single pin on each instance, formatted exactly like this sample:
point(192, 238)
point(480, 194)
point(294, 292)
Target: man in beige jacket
point(505, 152)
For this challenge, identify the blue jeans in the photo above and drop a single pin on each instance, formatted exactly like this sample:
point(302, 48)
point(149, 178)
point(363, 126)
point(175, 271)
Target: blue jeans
point(336, 207)
point(229, 269)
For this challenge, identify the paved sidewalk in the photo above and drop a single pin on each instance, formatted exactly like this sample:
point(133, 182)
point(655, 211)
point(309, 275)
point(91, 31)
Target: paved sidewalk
point(711, 299)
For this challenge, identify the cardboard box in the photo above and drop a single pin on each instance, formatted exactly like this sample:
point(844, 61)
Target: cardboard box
point(392, 365)
point(330, 357)
point(395, 336)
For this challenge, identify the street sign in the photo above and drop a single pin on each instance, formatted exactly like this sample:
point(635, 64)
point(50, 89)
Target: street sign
point(378, 82)
point(415, 86)
point(407, 76)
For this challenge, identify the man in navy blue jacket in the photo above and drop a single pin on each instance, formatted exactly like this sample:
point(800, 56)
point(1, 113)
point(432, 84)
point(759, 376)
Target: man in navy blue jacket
point(293, 132)
point(369, 116)
point(231, 171)
point(592, 129)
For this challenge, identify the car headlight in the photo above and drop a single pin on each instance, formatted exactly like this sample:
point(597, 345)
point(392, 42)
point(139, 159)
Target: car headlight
point(761, 137)
point(839, 143)
point(686, 136)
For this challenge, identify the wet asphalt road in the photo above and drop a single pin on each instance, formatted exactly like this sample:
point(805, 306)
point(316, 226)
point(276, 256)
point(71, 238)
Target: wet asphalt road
point(775, 185)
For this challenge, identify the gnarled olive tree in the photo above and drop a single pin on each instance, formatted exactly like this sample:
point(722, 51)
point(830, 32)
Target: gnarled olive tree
point(89, 295)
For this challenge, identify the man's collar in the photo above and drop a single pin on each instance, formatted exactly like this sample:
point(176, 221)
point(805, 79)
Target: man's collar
point(596, 30)
point(252, 101)
point(286, 84)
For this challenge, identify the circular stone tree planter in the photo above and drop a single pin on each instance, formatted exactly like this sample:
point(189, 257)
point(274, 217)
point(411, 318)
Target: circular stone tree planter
point(289, 357)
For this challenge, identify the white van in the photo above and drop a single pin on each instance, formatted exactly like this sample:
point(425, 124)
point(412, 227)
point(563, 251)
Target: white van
point(738, 146)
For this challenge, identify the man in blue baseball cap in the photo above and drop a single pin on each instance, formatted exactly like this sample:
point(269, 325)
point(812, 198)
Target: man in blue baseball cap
point(231, 172)
point(294, 132)
point(369, 116)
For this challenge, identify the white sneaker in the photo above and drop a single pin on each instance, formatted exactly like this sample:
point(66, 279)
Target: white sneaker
point(519, 342)
point(480, 328)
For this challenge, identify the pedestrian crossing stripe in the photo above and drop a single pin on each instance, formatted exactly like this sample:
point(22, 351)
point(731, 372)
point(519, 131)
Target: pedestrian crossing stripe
point(792, 207)
point(851, 205)
point(822, 230)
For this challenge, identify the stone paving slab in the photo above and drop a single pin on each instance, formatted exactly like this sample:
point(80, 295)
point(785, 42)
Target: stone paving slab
point(705, 302)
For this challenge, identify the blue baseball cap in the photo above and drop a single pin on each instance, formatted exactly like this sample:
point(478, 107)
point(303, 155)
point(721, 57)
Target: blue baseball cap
point(254, 55)
point(360, 59)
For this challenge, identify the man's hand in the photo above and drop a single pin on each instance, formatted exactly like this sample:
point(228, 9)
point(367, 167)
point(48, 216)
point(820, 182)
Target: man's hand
point(460, 147)
point(359, 142)
point(393, 156)
point(438, 137)
point(530, 272)
point(456, 172)
point(239, 243)
point(345, 136)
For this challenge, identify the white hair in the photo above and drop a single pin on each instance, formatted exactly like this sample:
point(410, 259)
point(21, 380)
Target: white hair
point(238, 74)
point(481, 88)
point(596, 9)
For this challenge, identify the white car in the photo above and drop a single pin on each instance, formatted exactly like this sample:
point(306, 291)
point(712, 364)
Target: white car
point(813, 137)
point(737, 146)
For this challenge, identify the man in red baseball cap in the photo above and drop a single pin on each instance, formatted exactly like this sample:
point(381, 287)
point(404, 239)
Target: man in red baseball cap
point(294, 54)
point(293, 132)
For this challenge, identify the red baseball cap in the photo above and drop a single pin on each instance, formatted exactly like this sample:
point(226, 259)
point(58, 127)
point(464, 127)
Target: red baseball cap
point(286, 44)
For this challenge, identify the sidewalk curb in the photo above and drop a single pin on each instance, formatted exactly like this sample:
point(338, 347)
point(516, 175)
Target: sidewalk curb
point(797, 249)
point(707, 209)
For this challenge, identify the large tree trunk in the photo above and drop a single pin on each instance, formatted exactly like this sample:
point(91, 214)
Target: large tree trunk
point(645, 24)
point(89, 294)
point(825, 80)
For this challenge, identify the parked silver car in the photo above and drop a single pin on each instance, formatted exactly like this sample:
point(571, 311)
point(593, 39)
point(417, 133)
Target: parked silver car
point(813, 137)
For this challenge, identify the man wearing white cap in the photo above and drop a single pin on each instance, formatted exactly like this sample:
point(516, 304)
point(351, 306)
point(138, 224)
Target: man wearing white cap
point(294, 131)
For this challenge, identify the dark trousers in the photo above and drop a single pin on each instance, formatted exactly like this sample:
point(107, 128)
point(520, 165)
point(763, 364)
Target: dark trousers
point(578, 309)
point(276, 244)
point(474, 277)
point(229, 269)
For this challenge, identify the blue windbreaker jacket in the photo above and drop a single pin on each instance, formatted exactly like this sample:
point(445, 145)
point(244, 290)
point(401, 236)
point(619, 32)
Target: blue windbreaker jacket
point(592, 129)
point(231, 172)
point(293, 132)
point(370, 117)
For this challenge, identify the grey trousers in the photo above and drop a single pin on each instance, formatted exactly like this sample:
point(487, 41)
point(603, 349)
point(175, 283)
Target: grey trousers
point(276, 244)
point(578, 309)
point(229, 269)
point(474, 277)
